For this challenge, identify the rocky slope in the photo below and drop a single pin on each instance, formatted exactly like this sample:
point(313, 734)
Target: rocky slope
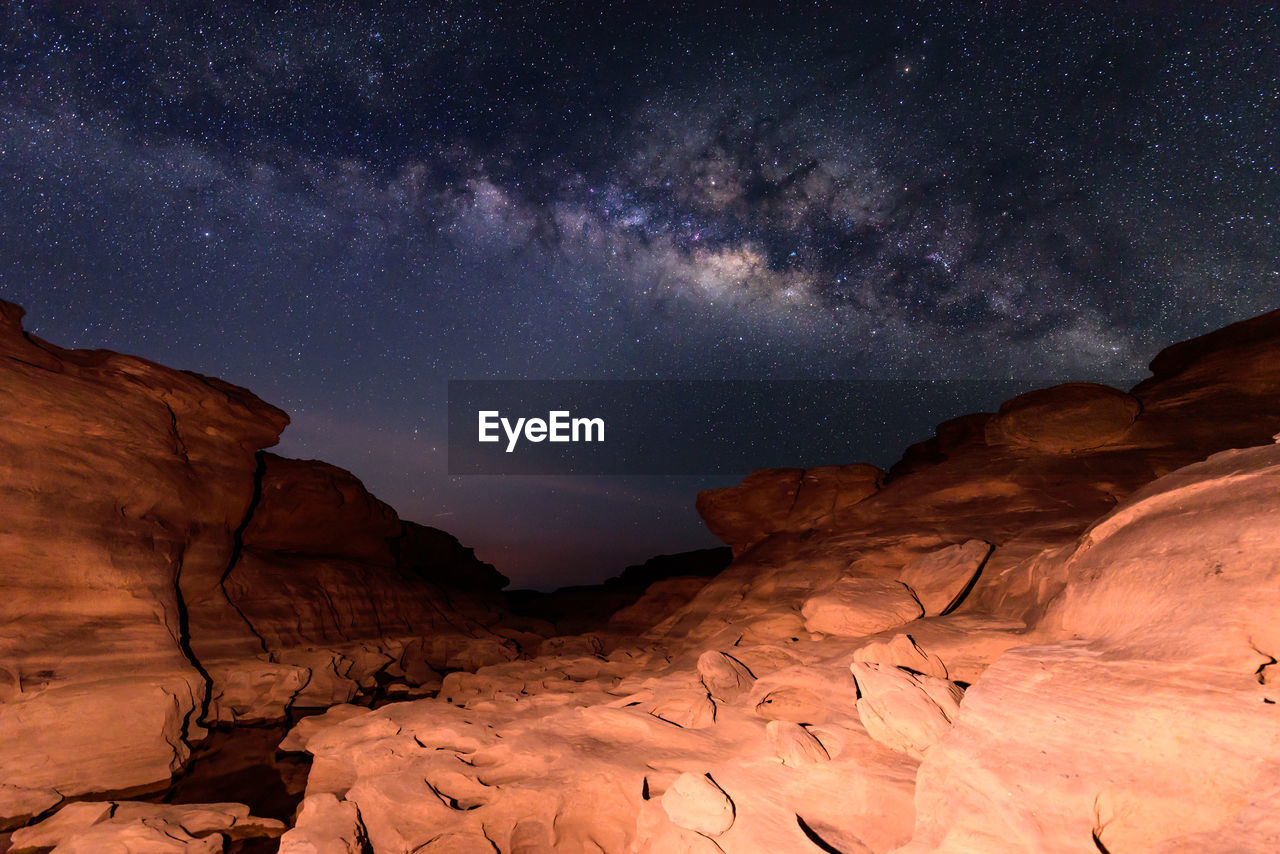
point(163, 573)
point(1048, 629)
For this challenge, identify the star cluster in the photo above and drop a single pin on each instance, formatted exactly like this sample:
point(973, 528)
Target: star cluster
point(342, 206)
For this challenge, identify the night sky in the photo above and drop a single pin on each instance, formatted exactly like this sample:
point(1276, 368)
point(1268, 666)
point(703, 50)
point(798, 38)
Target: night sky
point(343, 207)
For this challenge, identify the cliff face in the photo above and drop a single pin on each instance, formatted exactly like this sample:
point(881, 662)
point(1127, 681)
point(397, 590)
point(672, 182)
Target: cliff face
point(1049, 628)
point(340, 593)
point(139, 527)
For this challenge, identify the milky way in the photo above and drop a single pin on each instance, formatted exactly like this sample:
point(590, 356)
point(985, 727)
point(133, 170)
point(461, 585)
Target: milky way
point(343, 208)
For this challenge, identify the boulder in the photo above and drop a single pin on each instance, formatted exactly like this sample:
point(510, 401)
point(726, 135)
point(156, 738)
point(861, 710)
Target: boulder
point(794, 744)
point(696, 803)
point(903, 710)
point(724, 677)
point(773, 500)
point(856, 607)
point(903, 652)
point(1065, 418)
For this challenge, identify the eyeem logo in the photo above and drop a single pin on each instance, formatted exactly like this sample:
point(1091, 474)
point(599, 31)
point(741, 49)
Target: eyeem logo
point(557, 427)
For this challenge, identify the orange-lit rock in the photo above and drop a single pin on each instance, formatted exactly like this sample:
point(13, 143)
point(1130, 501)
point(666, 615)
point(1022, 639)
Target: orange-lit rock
point(1049, 629)
point(160, 572)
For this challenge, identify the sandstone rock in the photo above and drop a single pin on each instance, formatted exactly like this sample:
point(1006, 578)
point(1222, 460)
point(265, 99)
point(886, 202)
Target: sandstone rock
point(637, 599)
point(462, 842)
point(134, 826)
point(297, 737)
point(903, 652)
point(232, 819)
point(745, 514)
point(328, 682)
point(856, 607)
point(659, 601)
point(950, 437)
point(150, 546)
point(325, 825)
point(804, 694)
point(1242, 354)
point(253, 690)
point(313, 508)
point(772, 500)
point(691, 708)
point(416, 667)
point(437, 557)
point(571, 645)
point(19, 804)
point(1153, 663)
point(89, 735)
point(1064, 418)
point(148, 836)
point(553, 734)
point(531, 837)
point(71, 819)
point(696, 803)
point(906, 711)
point(940, 579)
point(1122, 666)
point(794, 744)
point(724, 676)
point(122, 482)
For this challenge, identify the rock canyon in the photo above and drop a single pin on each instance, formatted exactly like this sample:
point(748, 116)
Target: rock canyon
point(1051, 628)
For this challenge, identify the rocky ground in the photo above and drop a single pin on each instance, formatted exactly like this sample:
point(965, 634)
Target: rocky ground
point(1047, 629)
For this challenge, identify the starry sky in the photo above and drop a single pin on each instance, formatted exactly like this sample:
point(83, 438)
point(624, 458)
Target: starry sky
point(343, 206)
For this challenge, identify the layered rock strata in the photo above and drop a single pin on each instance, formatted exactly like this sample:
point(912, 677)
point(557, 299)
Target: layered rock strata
point(163, 573)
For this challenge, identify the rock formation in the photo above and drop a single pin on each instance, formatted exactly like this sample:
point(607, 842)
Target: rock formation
point(163, 573)
point(1052, 628)
point(1047, 629)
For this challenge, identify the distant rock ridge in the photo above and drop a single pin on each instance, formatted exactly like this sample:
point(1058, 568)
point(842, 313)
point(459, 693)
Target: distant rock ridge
point(637, 598)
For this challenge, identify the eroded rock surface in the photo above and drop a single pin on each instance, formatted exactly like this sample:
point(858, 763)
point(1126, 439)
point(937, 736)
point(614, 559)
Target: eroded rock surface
point(1049, 626)
point(161, 572)
point(134, 826)
point(773, 500)
point(1051, 629)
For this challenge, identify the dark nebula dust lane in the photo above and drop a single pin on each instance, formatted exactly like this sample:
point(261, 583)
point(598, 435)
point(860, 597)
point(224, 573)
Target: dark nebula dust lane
point(343, 207)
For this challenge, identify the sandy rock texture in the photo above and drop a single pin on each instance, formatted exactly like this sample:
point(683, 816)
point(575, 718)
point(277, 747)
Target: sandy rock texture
point(1052, 628)
point(1049, 629)
point(94, 827)
point(162, 572)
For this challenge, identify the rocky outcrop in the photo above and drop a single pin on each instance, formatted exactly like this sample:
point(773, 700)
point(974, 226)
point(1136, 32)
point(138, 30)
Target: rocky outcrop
point(91, 827)
point(774, 500)
point(121, 486)
point(1141, 713)
point(1064, 419)
point(1050, 629)
point(338, 592)
point(162, 572)
point(941, 579)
